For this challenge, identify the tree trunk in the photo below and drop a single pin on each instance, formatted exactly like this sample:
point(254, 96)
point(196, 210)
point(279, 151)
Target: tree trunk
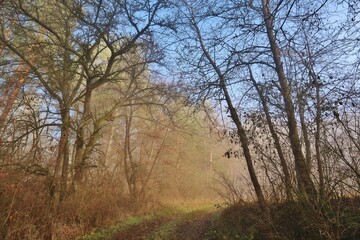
point(240, 129)
point(284, 166)
point(12, 91)
point(109, 145)
point(80, 145)
point(129, 166)
point(64, 153)
point(245, 147)
point(305, 133)
point(317, 142)
point(305, 184)
point(152, 167)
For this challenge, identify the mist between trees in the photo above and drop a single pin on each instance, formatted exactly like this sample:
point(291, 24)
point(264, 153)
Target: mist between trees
point(110, 107)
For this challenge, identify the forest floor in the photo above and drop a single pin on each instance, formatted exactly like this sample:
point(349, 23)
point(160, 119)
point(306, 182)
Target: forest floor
point(338, 219)
point(166, 224)
point(189, 226)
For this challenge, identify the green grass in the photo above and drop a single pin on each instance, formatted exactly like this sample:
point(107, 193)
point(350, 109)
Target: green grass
point(109, 232)
point(164, 232)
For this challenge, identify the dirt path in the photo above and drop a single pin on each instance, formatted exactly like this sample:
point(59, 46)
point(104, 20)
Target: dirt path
point(140, 231)
point(181, 226)
point(194, 229)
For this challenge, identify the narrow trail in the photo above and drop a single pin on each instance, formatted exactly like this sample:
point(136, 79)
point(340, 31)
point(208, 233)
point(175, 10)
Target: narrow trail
point(192, 225)
point(140, 231)
point(194, 229)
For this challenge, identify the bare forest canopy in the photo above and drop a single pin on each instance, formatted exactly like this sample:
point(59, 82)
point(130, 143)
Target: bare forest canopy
point(124, 105)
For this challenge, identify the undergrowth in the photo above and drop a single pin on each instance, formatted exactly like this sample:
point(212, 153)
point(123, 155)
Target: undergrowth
point(336, 219)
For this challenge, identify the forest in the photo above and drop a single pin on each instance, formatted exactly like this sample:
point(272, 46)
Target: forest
point(187, 119)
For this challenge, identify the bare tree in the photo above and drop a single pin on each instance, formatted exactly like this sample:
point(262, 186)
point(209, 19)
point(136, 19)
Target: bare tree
point(72, 65)
point(193, 17)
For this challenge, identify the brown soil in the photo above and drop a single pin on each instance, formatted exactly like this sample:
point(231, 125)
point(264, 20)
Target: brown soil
point(140, 231)
point(189, 229)
point(194, 229)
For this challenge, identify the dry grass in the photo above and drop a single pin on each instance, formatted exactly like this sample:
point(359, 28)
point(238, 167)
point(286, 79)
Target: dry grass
point(337, 219)
point(26, 212)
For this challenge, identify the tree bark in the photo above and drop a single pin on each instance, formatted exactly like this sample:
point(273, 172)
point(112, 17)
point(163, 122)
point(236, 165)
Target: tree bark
point(284, 166)
point(317, 142)
point(245, 146)
point(129, 166)
point(305, 184)
point(80, 145)
point(305, 132)
point(65, 155)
